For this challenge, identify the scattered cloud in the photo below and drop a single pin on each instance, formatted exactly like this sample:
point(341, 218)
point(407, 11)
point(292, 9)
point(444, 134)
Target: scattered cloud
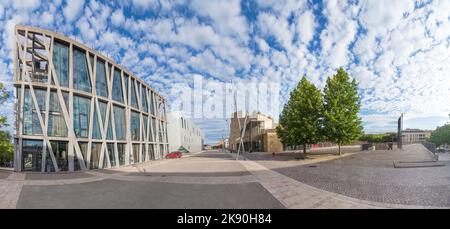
point(398, 51)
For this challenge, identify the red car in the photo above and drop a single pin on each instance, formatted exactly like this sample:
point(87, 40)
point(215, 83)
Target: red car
point(176, 154)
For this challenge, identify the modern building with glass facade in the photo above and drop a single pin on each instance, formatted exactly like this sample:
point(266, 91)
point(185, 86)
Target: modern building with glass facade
point(77, 110)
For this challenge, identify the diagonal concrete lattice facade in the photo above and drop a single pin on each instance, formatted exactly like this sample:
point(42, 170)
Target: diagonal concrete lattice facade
point(77, 109)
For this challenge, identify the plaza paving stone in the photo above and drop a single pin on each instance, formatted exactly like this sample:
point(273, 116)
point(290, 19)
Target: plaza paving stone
point(370, 176)
point(56, 176)
point(124, 194)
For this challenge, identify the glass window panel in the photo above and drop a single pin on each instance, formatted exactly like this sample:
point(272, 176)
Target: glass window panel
point(143, 152)
point(151, 152)
point(134, 102)
point(121, 149)
point(32, 155)
point(81, 80)
point(135, 154)
point(31, 124)
point(145, 127)
point(81, 112)
point(84, 149)
point(61, 155)
point(56, 124)
point(117, 93)
point(135, 126)
point(111, 154)
point(95, 155)
point(119, 122)
point(96, 132)
point(152, 104)
point(126, 87)
point(61, 63)
point(152, 135)
point(100, 81)
point(144, 99)
point(109, 133)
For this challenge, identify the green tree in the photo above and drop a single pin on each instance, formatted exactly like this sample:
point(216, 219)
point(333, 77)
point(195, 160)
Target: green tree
point(4, 94)
point(6, 147)
point(441, 135)
point(341, 123)
point(300, 120)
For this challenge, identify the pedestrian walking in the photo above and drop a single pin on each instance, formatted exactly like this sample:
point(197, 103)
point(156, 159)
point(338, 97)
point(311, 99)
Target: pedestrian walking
point(273, 155)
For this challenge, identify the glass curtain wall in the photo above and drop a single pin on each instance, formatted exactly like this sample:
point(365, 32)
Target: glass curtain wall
point(81, 112)
point(121, 149)
point(120, 124)
point(135, 124)
point(111, 154)
point(117, 93)
point(32, 155)
point(81, 80)
point(56, 124)
point(61, 63)
point(61, 155)
point(31, 125)
point(100, 81)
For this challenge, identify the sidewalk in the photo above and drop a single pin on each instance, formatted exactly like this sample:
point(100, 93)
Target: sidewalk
point(294, 194)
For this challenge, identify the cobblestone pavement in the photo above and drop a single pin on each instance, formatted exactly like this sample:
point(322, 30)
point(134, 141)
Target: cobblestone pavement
point(370, 176)
point(347, 181)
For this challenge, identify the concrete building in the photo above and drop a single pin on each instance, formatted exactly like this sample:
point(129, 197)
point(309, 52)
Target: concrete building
point(76, 109)
point(183, 132)
point(415, 135)
point(260, 134)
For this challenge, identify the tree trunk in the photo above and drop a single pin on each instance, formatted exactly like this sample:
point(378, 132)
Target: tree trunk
point(339, 149)
point(304, 148)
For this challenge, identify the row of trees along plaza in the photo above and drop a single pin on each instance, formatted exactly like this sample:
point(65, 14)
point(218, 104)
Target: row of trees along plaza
point(311, 116)
point(6, 147)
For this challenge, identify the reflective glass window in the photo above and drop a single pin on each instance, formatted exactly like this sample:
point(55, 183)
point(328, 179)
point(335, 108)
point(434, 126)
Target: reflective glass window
point(95, 155)
point(121, 149)
point(31, 155)
point(56, 124)
point(111, 154)
point(117, 93)
point(119, 122)
point(61, 63)
point(135, 126)
point(61, 155)
point(81, 111)
point(81, 80)
point(100, 81)
point(144, 100)
point(31, 124)
point(134, 102)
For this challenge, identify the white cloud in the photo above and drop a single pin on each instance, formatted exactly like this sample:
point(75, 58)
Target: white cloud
point(72, 9)
point(28, 5)
point(384, 15)
point(263, 46)
point(278, 27)
point(226, 15)
point(117, 18)
point(145, 4)
point(306, 26)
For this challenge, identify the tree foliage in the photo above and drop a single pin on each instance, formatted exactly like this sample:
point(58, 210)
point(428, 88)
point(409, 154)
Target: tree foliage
point(300, 120)
point(441, 135)
point(6, 147)
point(341, 122)
point(379, 138)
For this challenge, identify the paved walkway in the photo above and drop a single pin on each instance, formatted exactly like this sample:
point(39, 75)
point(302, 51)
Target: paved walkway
point(200, 173)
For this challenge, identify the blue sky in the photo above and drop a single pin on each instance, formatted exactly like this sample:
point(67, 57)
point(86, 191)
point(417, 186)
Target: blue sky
point(398, 50)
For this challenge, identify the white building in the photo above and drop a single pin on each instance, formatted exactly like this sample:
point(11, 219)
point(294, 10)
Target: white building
point(183, 132)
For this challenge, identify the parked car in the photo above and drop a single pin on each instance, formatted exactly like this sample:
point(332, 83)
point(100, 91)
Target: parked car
point(175, 154)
